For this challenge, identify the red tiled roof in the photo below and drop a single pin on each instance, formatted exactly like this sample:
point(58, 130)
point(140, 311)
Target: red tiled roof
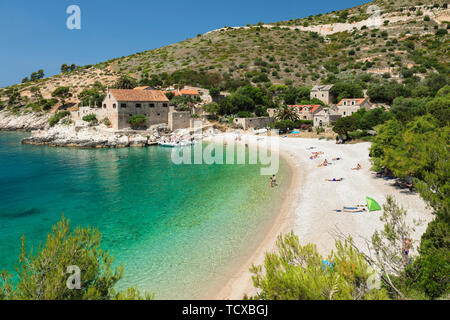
point(139, 95)
point(189, 92)
point(315, 107)
point(357, 101)
point(311, 108)
point(185, 92)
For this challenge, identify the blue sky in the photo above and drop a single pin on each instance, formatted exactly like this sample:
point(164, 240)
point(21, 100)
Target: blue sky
point(33, 34)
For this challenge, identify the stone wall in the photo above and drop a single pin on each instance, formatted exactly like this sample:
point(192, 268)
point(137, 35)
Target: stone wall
point(84, 111)
point(179, 120)
point(255, 123)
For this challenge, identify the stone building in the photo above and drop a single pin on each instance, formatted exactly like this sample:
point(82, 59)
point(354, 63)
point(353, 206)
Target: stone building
point(305, 112)
point(323, 117)
point(120, 104)
point(322, 93)
point(254, 123)
point(179, 120)
point(346, 107)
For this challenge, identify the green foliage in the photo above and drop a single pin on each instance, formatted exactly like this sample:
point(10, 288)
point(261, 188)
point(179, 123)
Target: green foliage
point(286, 113)
point(346, 89)
point(212, 108)
point(247, 98)
point(296, 94)
point(62, 93)
point(137, 121)
point(406, 109)
point(90, 118)
point(93, 96)
point(386, 92)
point(42, 276)
point(106, 122)
point(245, 114)
point(344, 125)
point(125, 82)
point(439, 108)
point(66, 68)
point(298, 272)
point(37, 75)
point(214, 92)
point(170, 95)
point(53, 120)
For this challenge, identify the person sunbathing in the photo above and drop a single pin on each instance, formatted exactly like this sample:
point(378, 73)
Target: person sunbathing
point(358, 167)
point(351, 209)
point(334, 179)
point(323, 164)
point(337, 159)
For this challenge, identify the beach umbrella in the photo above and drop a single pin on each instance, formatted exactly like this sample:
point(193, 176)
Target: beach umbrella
point(372, 205)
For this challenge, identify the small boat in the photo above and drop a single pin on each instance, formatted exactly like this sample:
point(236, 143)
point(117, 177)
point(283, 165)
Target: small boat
point(176, 144)
point(168, 144)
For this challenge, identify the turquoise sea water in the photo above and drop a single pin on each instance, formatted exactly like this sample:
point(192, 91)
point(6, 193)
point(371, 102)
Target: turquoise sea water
point(179, 231)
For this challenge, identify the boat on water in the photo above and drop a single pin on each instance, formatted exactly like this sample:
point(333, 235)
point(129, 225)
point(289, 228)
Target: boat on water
point(173, 144)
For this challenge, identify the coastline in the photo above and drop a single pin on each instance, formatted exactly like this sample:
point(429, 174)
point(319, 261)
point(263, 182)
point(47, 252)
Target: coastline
point(312, 217)
point(241, 283)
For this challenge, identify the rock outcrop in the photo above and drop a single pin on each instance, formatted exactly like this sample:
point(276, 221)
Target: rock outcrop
point(23, 121)
point(93, 137)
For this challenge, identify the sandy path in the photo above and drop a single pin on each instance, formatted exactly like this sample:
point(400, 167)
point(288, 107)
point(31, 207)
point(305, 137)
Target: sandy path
point(309, 207)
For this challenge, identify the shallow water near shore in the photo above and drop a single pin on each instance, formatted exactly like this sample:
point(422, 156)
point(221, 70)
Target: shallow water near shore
point(180, 231)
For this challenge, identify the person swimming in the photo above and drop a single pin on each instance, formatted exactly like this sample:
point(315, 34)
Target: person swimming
point(334, 179)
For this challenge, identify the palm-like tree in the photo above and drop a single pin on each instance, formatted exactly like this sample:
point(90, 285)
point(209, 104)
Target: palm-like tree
point(287, 113)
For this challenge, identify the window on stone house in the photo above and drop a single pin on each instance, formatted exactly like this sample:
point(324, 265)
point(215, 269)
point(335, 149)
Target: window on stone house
point(165, 105)
point(114, 106)
point(104, 106)
point(152, 105)
point(123, 105)
point(138, 105)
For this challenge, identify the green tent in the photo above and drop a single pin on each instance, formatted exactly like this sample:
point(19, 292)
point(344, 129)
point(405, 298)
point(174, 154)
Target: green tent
point(372, 205)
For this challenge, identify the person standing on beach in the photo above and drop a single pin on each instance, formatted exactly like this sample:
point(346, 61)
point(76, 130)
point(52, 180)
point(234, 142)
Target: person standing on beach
point(274, 181)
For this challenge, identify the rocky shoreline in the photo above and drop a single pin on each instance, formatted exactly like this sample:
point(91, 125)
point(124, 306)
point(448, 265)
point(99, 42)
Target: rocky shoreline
point(93, 137)
point(10, 121)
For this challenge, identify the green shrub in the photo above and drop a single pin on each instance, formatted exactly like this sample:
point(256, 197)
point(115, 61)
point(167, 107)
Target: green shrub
point(244, 114)
point(53, 120)
point(137, 121)
point(90, 118)
point(106, 122)
point(320, 130)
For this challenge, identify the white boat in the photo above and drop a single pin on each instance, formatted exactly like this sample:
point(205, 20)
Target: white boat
point(169, 144)
point(176, 144)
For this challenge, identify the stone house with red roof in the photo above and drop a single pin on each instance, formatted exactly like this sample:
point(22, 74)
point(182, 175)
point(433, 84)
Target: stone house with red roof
point(323, 117)
point(305, 112)
point(120, 104)
point(346, 107)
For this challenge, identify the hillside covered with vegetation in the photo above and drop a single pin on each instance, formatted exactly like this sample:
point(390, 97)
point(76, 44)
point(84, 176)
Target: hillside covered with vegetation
point(412, 40)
